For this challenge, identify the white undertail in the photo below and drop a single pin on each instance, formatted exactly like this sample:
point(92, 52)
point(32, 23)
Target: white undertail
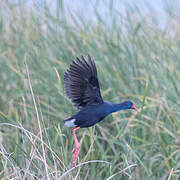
point(70, 123)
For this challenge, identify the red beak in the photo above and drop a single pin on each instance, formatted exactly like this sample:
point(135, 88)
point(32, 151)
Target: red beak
point(133, 107)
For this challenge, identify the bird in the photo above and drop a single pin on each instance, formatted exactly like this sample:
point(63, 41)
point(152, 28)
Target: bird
point(82, 88)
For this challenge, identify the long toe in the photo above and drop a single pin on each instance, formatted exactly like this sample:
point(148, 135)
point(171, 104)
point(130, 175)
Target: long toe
point(76, 148)
point(75, 154)
point(73, 150)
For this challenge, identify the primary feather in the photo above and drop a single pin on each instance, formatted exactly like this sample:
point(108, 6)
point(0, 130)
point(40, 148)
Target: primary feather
point(81, 83)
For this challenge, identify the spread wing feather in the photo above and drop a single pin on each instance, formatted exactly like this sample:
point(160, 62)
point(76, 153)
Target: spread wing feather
point(81, 83)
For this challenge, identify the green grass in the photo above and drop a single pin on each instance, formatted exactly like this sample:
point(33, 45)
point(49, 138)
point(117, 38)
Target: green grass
point(136, 60)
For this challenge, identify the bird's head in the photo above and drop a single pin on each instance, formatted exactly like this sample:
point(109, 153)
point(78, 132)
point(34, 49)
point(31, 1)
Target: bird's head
point(130, 105)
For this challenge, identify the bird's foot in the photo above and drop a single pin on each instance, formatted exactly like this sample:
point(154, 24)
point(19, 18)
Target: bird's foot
point(75, 153)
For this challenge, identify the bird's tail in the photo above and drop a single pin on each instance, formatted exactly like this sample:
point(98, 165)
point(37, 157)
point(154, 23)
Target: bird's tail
point(70, 122)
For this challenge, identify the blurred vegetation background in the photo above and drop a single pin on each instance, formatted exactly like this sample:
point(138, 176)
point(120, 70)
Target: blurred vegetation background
point(137, 58)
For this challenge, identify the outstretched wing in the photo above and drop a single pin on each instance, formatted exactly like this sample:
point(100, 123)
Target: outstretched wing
point(81, 83)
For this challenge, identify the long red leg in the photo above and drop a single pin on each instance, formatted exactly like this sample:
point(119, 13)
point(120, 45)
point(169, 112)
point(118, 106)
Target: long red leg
point(76, 149)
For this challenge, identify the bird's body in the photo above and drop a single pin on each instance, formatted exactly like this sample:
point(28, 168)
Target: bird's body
point(82, 87)
point(92, 114)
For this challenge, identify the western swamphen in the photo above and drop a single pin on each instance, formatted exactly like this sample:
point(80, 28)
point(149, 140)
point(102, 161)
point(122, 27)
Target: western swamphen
point(82, 87)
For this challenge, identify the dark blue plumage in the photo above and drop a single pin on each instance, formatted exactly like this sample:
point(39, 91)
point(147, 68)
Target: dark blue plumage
point(92, 114)
point(82, 87)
